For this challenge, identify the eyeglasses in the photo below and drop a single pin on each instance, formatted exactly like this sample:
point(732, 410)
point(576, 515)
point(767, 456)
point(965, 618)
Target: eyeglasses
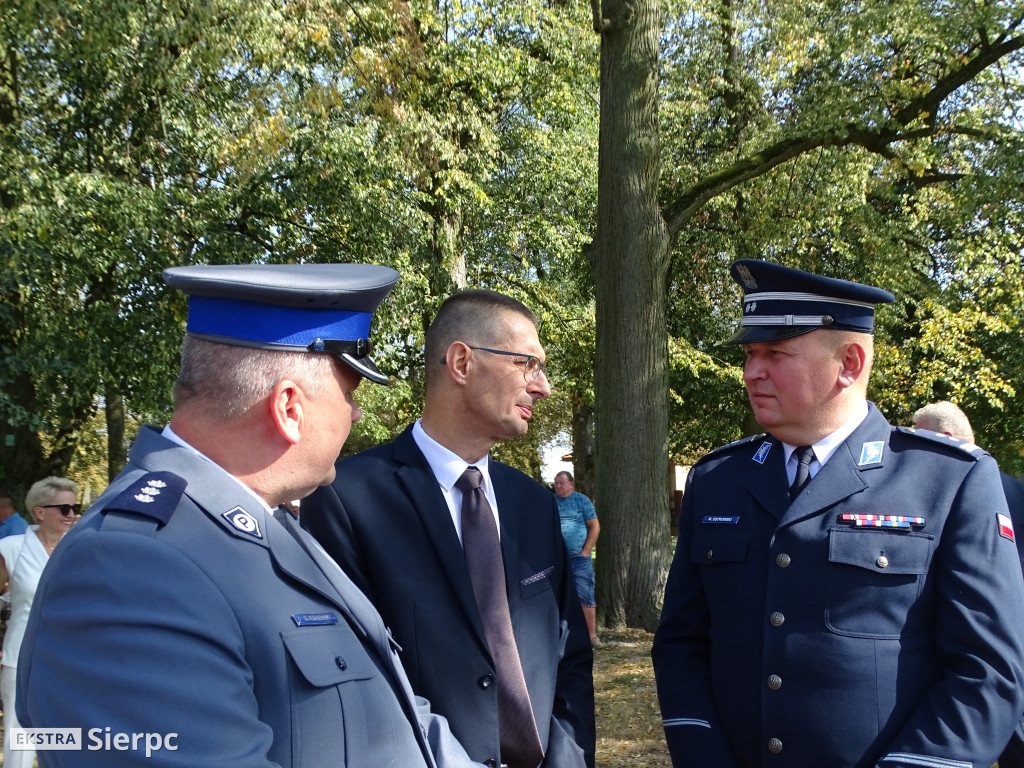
point(534, 367)
point(65, 509)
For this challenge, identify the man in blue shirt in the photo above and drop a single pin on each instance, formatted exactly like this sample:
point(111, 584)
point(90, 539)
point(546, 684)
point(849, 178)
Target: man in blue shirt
point(580, 530)
point(10, 521)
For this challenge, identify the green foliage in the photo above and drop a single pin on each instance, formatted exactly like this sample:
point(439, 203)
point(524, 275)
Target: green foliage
point(437, 139)
point(872, 141)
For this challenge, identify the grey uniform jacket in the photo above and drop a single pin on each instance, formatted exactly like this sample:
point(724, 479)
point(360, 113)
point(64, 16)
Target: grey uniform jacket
point(179, 605)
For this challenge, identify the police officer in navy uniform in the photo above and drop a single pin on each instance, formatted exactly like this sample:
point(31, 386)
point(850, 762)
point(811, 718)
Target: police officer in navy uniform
point(844, 593)
point(186, 620)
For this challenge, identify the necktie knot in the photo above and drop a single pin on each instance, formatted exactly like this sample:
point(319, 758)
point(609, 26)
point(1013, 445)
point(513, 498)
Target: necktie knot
point(470, 480)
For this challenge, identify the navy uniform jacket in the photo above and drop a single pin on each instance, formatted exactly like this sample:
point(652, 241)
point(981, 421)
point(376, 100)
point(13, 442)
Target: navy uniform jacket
point(199, 614)
point(386, 522)
point(790, 637)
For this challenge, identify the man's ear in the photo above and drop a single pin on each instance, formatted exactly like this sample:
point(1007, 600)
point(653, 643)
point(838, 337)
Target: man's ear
point(457, 360)
point(853, 363)
point(287, 409)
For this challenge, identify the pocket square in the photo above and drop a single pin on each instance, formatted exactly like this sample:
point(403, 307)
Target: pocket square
point(537, 576)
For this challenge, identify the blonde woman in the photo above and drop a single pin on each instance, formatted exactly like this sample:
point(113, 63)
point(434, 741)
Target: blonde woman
point(22, 559)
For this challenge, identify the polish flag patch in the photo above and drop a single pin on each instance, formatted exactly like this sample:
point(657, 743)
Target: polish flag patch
point(1005, 527)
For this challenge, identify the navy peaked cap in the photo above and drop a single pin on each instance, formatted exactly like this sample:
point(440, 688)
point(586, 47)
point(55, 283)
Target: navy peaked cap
point(781, 302)
point(289, 307)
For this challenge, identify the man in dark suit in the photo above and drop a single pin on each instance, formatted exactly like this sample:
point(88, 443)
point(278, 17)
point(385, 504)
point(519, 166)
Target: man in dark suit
point(844, 592)
point(946, 418)
point(187, 622)
point(394, 520)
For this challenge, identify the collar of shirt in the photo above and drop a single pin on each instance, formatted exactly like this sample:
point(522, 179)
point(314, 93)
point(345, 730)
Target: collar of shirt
point(448, 468)
point(174, 438)
point(824, 448)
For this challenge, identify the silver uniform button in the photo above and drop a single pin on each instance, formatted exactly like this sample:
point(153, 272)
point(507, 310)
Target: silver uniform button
point(777, 619)
point(882, 561)
point(783, 560)
point(774, 746)
point(774, 682)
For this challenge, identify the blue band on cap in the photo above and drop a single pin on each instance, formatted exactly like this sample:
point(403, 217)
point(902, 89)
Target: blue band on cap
point(271, 324)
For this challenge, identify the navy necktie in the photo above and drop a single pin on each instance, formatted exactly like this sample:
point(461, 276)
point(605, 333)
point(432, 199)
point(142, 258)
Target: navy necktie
point(520, 741)
point(804, 457)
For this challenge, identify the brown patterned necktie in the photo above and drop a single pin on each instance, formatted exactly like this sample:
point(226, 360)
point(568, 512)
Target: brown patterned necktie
point(520, 741)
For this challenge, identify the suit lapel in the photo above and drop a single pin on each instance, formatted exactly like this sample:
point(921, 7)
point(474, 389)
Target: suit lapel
point(767, 482)
point(427, 501)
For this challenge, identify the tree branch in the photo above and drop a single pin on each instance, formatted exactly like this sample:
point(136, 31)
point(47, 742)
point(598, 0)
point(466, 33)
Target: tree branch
point(679, 210)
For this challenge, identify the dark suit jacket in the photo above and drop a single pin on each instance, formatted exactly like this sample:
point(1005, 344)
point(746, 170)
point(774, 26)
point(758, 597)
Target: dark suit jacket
point(385, 520)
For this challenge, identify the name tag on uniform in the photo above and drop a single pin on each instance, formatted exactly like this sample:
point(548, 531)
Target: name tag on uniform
point(719, 520)
point(313, 619)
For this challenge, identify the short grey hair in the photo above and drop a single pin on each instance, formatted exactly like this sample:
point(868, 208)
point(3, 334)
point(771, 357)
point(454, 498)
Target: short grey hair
point(944, 416)
point(225, 381)
point(44, 491)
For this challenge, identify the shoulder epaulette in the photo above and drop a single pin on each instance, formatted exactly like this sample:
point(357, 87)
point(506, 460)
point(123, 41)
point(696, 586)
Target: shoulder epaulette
point(154, 495)
point(733, 445)
point(946, 440)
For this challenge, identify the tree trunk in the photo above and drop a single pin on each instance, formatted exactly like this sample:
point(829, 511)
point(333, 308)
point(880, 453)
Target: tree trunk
point(631, 381)
point(583, 449)
point(117, 451)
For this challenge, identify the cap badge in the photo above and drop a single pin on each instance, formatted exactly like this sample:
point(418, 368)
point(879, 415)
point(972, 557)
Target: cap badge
point(242, 521)
point(751, 306)
point(748, 279)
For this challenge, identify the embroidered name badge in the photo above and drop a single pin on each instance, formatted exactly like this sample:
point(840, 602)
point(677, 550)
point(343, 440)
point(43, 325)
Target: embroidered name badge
point(762, 453)
point(719, 520)
point(900, 522)
point(871, 453)
point(242, 521)
point(1005, 526)
point(313, 619)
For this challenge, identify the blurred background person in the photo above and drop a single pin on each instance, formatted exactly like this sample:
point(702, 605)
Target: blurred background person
point(946, 418)
point(11, 523)
point(580, 530)
point(22, 559)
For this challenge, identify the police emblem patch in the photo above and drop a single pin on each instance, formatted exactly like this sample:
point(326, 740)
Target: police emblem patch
point(871, 453)
point(762, 452)
point(242, 521)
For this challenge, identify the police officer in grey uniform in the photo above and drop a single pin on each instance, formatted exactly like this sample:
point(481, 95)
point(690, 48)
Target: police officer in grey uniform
point(188, 621)
point(844, 593)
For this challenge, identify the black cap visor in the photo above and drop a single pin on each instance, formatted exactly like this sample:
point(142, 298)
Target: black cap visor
point(365, 367)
